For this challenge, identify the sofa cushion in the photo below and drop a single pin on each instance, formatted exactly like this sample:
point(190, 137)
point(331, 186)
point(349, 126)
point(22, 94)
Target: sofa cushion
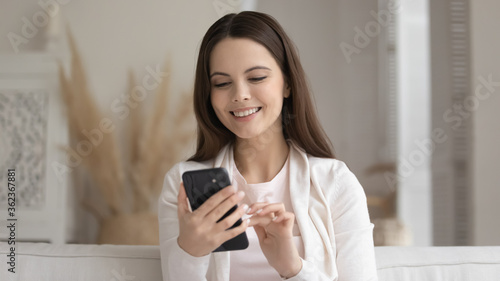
point(41, 261)
point(438, 263)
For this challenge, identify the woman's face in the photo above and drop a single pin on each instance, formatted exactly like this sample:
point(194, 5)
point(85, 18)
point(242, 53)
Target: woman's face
point(247, 87)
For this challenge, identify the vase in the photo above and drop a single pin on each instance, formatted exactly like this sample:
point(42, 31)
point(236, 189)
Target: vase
point(130, 229)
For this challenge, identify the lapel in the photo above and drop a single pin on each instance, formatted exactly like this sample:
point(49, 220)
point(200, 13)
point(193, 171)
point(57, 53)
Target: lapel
point(311, 211)
point(300, 188)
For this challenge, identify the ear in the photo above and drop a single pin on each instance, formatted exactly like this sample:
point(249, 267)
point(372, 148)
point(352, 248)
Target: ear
point(286, 91)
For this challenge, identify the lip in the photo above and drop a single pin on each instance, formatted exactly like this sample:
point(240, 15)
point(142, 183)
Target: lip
point(246, 118)
point(244, 109)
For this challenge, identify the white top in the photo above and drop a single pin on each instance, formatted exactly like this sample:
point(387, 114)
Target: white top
point(251, 264)
point(331, 212)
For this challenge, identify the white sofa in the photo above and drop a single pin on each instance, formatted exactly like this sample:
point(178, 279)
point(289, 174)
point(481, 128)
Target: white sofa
point(40, 261)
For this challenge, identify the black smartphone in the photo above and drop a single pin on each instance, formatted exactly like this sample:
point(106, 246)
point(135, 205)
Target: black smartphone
point(199, 186)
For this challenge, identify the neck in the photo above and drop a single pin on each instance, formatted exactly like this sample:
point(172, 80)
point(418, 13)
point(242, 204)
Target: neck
point(261, 158)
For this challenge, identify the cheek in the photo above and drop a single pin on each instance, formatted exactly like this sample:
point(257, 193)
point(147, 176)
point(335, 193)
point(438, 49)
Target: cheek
point(218, 104)
point(274, 96)
point(215, 101)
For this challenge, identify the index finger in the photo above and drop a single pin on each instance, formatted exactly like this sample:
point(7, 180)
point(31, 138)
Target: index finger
point(256, 207)
point(215, 200)
point(277, 208)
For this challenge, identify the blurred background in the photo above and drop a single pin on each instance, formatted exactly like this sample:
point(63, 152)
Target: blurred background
point(95, 108)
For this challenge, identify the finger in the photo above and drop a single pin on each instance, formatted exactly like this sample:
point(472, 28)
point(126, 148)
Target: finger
point(261, 233)
point(183, 206)
point(276, 208)
point(215, 200)
point(285, 217)
point(261, 221)
point(255, 207)
point(233, 232)
point(230, 220)
point(219, 211)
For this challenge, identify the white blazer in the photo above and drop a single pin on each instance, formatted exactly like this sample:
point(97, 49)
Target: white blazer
point(331, 212)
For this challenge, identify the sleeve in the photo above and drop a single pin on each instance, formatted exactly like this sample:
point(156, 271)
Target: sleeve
point(309, 272)
point(355, 256)
point(353, 229)
point(176, 264)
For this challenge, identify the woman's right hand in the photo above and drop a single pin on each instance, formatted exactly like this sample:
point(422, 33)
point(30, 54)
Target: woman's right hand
point(199, 231)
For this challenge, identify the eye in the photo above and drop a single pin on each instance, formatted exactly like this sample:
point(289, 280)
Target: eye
point(221, 85)
point(257, 79)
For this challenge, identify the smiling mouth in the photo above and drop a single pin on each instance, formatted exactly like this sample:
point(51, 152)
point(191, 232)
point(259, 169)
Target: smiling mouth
point(245, 113)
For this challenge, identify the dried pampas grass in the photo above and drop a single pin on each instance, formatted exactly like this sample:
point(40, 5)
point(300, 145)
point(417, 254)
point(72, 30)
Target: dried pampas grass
point(158, 146)
point(153, 143)
point(103, 160)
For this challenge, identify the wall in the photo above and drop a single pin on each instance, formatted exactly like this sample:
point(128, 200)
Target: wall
point(486, 62)
point(345, 87)
point(116, 35)
point(112, 37)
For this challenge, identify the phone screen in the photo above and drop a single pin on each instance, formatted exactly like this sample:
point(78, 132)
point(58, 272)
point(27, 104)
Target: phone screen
point(201, 185)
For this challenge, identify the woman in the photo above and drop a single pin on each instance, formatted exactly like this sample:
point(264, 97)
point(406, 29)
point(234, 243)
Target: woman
point(309, 218)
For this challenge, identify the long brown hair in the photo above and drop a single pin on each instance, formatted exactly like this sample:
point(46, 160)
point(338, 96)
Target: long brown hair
point(299, 119)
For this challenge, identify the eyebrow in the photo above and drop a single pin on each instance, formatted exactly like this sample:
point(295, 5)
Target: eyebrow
point(246, 71)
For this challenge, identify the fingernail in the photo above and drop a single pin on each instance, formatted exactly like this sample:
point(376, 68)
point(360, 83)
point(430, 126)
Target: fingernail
point(241, 194)
point(248, 221)
point(245, 207)
point(258, 211)
point(189, 205)
point(275, 218)
point(249, 210)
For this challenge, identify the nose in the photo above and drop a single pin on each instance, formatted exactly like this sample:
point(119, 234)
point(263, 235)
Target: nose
point(241, 93)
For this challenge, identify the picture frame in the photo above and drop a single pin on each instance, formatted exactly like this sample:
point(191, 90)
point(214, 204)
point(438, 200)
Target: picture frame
point(33, 133)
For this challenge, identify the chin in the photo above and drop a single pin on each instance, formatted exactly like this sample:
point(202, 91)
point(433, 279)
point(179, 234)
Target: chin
point(246, 135)
point(263, 137)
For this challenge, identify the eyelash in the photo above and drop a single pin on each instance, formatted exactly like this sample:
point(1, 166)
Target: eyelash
point(221, 85)
point(257, 79)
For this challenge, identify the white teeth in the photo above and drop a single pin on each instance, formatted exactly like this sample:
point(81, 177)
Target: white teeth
point(246, 112)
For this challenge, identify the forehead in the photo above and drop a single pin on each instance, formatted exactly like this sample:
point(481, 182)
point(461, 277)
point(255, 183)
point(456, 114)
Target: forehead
point(237, 54)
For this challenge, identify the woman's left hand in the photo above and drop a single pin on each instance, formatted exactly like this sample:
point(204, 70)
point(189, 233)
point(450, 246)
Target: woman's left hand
point(273, 225)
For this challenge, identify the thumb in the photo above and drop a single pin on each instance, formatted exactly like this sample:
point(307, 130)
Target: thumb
point(183, 206)
point(261, 232)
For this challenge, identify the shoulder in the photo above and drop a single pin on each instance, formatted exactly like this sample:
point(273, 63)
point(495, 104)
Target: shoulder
point(333, 176)
point(178, 169)
point(173, 178)
point(319, 166)
point(329, 169)
point(328, 166)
